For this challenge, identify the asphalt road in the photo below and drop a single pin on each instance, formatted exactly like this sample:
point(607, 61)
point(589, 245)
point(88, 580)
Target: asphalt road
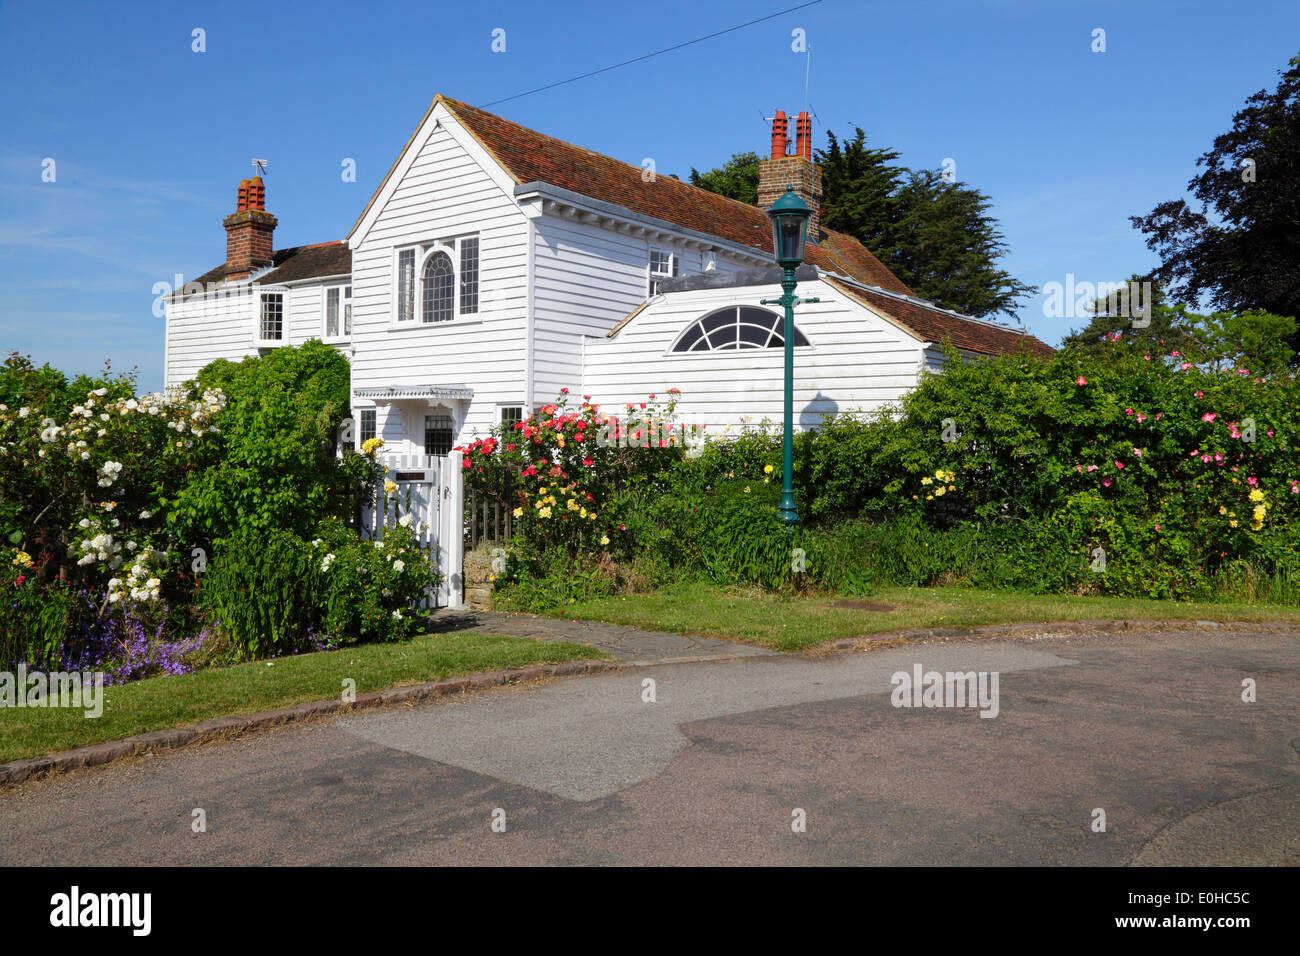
point(1148, 726)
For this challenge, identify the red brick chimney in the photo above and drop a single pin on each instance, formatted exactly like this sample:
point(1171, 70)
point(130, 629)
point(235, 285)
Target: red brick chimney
point(797, 170)
point(248, 231)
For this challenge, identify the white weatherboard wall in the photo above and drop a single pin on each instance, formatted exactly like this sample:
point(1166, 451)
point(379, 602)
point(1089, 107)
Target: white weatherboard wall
point(205, 327)
point(212, 325)
point(306, 312)
point(448, 188)
point(857, 361)
point(587, 278)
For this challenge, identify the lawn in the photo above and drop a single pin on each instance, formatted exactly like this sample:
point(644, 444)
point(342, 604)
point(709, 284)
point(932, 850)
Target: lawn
point(160, 703)
point(792, 623)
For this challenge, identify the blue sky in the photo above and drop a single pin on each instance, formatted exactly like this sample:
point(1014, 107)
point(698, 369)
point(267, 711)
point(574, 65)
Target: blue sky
point(150, 139)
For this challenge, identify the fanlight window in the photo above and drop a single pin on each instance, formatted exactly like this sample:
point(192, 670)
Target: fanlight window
point(737, 327)
point(438, 305)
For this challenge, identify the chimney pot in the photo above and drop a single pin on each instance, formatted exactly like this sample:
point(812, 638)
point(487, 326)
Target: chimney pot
point(803, 136)
point(780, 129)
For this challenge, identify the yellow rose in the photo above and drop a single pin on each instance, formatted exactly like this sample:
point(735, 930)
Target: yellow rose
point(768, 469)
point(604, 539)
point(518, 512)
point(390, 486)
point(927, 480)
point(1256, 495)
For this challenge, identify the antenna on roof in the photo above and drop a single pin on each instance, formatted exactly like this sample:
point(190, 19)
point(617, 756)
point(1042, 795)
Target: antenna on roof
point(259, 167)
point(807, 69)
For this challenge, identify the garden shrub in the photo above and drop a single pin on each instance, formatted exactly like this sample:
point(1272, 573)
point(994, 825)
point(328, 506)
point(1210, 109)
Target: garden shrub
point(272, 594)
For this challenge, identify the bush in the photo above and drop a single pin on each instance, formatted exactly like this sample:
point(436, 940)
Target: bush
point(272, 594)
point(33, 616)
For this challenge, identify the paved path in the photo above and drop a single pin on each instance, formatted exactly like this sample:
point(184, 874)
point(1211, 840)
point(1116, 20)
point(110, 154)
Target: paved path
point(1147, 725)
point(625, 643)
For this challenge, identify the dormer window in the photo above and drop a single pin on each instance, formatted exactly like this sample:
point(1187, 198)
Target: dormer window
point(663, 265)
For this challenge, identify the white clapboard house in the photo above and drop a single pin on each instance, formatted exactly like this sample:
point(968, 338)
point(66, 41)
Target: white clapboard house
point(495, 266)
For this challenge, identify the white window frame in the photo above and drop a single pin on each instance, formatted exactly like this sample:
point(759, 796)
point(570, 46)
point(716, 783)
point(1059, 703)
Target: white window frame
point(751, 353)
point(258, 340)
point(397, 320)
point(451, 248)
point(502, 406)
point(655, 277)
point(358, 431)
point(345, 303)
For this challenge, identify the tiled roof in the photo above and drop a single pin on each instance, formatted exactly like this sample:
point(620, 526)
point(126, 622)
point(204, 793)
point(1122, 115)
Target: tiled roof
point(932, 324)
point(297, 262)
point(529, 156)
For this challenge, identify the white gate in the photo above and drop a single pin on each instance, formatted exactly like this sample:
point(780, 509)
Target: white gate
point(429, 489)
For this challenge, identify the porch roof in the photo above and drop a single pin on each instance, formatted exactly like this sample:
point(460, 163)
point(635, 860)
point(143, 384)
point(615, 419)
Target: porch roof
point(383, 394)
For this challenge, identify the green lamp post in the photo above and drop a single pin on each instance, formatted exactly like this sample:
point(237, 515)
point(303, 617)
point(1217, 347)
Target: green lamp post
point(789, 216)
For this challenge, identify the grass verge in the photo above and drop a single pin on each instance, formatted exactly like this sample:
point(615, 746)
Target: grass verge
point(160, 703)
point(791, 623)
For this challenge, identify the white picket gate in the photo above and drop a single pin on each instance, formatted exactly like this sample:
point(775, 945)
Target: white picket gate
point(430, 490)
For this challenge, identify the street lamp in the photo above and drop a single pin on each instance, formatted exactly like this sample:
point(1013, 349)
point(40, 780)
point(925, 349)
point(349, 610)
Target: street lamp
point(789, 216)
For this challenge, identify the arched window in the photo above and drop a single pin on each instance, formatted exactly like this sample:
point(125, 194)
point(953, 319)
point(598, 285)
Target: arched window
point(736, 327)
point(438, 304)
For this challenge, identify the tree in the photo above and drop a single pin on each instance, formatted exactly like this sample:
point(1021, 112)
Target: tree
point(737, 179)
point(1254, 340)
point(1167, 328)
point(946, 247)
point(859, 194)
point(1242, 249)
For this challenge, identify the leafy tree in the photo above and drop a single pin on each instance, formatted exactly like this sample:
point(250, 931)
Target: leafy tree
point(859, 194)
point(947, 247)
point(1242, 248)
point(1257, 340)
point(1113, 317)
point(1254, 340)
point(737, 179)
point(277, 462)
